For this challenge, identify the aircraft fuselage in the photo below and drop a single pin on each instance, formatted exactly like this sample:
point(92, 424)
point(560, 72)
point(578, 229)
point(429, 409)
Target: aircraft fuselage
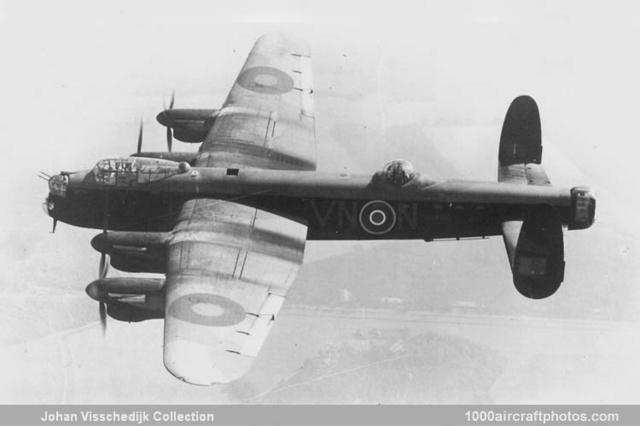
point(334, 207)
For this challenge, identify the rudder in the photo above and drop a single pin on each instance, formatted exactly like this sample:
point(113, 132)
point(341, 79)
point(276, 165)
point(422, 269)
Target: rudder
point(521, 140)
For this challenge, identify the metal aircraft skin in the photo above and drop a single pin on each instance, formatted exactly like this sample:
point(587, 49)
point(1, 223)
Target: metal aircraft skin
point(227, 226)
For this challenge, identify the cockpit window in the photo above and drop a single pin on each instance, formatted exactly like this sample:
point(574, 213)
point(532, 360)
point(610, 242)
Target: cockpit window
point(398, 172)
point(133, 171)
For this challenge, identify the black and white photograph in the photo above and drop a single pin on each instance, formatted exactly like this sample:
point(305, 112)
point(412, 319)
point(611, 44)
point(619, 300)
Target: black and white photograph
point(319, 202)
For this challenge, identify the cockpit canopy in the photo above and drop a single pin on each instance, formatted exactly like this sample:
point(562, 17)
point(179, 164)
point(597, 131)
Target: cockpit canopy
point(398, 172)
point(133, 171)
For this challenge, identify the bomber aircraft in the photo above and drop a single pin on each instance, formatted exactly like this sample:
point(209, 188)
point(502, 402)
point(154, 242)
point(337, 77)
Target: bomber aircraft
point(227, 225)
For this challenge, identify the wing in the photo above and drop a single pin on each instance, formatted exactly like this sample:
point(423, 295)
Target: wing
point(229, 270)
point(230, 266)
point(267, 120)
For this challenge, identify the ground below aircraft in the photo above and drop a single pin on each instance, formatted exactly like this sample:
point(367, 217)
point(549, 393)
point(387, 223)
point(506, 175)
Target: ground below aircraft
point(228, 225)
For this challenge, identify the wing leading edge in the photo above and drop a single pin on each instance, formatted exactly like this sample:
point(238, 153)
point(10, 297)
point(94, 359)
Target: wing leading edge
point(230, 266)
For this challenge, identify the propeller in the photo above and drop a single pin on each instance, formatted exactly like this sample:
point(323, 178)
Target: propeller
point(169, 132)
point(102, 274)
point(104, 263)
point(103, 318)
point(140, 138)
point(104, 266)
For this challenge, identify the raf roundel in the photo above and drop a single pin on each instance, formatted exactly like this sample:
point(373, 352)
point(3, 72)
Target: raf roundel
point(265, 80)
point(207, 309)
point(377, 217)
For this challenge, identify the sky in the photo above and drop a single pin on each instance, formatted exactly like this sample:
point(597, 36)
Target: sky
point(421, 80)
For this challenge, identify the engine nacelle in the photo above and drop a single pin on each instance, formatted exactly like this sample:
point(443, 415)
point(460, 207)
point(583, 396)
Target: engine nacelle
point(177, 157)
point(189, 125)
point(130, 299)
point(134, 251)
point(127, 313)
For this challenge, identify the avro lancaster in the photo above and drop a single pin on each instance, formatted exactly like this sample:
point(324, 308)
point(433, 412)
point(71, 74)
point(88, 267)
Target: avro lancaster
point(227, 225)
